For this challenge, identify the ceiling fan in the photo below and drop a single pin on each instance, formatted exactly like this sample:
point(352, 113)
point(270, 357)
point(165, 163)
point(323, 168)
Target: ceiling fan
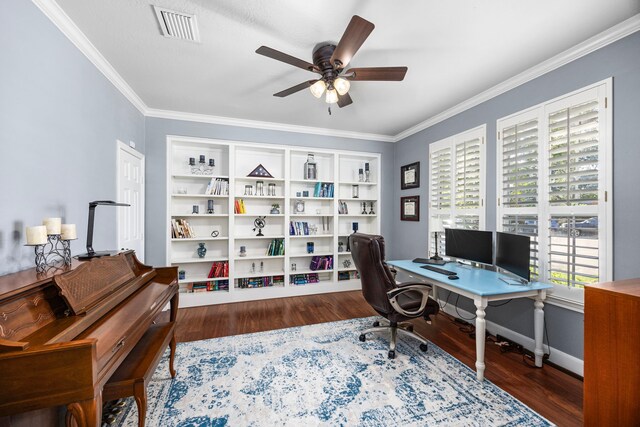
point(330, 60)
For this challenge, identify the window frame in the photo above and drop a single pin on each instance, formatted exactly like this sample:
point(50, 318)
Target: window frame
point(565, 296)
point(450, 143)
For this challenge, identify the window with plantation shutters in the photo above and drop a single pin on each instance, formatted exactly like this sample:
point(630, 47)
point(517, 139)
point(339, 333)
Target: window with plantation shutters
point(554, 185)
point(456, 187)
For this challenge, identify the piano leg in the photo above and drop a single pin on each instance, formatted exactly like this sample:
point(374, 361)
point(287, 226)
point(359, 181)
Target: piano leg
point(172, 317)
point(86, 413)
point(140, 394)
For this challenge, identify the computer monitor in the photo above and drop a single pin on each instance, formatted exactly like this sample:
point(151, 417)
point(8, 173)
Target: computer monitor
point(472, 245)
point(513, 253)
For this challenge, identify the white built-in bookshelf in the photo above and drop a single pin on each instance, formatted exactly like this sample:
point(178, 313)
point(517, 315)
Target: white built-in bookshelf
point(320, 212)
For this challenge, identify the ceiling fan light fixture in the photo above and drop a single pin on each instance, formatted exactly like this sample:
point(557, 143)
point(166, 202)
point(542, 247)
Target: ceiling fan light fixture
point(341, 85)
point(332, 96)
point(317, 89)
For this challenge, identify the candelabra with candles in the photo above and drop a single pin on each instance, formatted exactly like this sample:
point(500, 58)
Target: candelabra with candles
point(52, 244)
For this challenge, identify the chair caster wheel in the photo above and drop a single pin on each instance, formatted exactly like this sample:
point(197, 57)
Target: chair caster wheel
point(392, 354)
point(362, 337)
point(376, 324)
point(424, 347)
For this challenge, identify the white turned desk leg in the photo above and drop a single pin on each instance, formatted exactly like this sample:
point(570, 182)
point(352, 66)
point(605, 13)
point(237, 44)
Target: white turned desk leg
point(481, 326)
point(538, 326)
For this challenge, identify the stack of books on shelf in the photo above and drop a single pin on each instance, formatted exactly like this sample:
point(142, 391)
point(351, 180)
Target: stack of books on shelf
point(261, 282)
point(348, 275)
point(323, 189)
point(276, 247)
point(321, 263)
point(180, 229)
point(303, 279)
point(239, 207)
point(219, 269)
point(219, 285)
point(218, 187)
point(298, 228)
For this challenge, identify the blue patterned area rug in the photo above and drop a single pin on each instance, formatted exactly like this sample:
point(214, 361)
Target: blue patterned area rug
point(322, 375)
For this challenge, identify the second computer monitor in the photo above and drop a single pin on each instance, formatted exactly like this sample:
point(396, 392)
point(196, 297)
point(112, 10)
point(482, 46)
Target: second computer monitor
point(472, 245)
point(513, 253)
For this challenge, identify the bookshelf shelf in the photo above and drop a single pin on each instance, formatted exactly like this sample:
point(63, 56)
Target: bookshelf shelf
point(201, 279)
point(199, 196)
point(234, 160)
point(240, 258)
point(184, 175)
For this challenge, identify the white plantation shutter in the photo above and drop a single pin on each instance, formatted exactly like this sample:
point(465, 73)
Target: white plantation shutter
point(554, 181)
point(457, 182)
point(573, 155)
point(520, 164)
point(440, 178)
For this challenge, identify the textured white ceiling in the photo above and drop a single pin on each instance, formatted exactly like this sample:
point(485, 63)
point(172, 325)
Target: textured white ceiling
point(454, 49)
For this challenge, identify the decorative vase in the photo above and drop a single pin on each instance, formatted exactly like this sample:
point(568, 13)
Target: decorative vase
point(275, 211)
point(202, 251)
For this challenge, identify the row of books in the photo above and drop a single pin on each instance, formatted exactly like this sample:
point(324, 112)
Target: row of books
point(180, 229)
point(218, 187)
point(303, 279)
point(219, 269)
point(260, 282)
point(321, 263)
point(218, 285)
point(298, 228)
point(239, 207)
point(348, 275)
point(323, 189)
point(276, 247)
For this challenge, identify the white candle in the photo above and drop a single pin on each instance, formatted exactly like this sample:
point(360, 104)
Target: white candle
point(53, 225)
point(68, 232)
point(37, 235)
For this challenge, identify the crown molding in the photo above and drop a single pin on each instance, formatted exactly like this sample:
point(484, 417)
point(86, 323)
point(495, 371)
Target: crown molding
point(282, 127)
point(588, 46)
point(54, 12)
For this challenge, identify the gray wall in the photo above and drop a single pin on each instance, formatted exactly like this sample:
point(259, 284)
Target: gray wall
point(59, 120)
point(620, 60)
point(156, 152)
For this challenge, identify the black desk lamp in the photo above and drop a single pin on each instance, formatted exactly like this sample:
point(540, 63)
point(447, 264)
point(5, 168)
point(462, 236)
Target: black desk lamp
point(436, 227)
point(92, 211)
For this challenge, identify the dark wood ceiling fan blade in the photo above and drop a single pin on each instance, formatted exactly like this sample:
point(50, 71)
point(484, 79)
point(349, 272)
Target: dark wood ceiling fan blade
point(294, 89)
point(356, 33)
point(377, 73)
point(344, 100)
point(291, 60)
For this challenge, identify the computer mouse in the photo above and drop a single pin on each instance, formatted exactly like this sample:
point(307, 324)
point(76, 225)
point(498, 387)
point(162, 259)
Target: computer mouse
point(453, 277)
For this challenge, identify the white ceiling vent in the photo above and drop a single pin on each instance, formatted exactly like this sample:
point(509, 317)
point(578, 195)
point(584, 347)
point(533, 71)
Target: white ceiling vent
point(177, 25)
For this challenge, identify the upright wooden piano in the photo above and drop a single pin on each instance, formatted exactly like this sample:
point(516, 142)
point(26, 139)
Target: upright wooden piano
point(63, 335)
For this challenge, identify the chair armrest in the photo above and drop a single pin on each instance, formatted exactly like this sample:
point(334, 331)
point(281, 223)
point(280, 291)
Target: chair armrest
point(423, 288)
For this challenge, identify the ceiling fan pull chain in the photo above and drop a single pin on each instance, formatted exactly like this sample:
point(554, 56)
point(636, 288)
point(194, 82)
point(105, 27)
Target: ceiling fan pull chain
point(329, 108)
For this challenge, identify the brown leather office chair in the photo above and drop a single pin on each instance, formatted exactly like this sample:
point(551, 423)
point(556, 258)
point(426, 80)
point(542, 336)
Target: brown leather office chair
point(396, 302)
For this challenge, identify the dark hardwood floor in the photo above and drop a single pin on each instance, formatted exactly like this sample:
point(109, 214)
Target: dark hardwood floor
point(550, 392)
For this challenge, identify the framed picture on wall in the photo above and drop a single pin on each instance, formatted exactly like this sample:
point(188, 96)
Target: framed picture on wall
point(410, 208)
point(410, 176)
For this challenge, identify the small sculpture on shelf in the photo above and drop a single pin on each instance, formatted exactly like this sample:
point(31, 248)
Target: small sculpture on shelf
point(310, 168)
point(182, 275)
point(371, 212)
point(248, 190)
point(275, 209)
point(340, 247)
point(346, 263)
point(210, 209)
point(202, 251)
point(259, 224)
point(195, 209)
point(367, 173)
point(360, 175)
point(259, 188)
point(364, 208)
point(271, 189)
point(243, 251)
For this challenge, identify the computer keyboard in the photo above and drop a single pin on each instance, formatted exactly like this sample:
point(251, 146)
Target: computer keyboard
point(439, 270)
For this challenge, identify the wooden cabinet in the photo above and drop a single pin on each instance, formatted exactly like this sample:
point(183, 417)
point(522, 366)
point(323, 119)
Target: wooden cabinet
point(612, 354)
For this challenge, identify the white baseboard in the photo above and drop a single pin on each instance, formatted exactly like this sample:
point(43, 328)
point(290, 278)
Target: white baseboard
point(558, 357)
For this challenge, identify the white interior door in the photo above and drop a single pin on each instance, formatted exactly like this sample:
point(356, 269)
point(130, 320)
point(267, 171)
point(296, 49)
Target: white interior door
point(131, 190)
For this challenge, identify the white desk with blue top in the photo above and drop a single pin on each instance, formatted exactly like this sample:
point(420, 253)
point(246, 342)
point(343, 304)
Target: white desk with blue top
point(483, 286)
